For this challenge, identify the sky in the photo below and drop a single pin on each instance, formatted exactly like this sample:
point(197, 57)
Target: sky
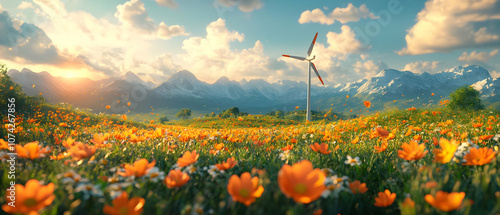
point(247, 38)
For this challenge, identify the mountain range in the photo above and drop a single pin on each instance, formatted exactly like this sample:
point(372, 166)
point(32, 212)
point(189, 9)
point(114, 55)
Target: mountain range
point(184, 90)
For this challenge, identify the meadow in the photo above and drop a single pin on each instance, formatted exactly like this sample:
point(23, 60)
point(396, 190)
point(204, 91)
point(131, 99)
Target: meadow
point(410, 161)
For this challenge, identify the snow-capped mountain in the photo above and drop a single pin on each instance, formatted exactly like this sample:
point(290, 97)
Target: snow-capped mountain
point(183, 89)
point(133, 78)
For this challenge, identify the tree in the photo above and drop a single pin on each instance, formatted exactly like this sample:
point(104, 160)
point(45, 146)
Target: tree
point(184, 113)
point(234, 111)
point(280, 114)
point(465, 98)
point(163, 119)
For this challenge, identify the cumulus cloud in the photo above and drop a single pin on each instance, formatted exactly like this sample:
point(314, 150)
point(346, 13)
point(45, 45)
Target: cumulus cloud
point(167, 32)
point(342, 15)
point(167, 3)
point(442, 27)
point(477, 56)
point(99, 44)
point(422, 66)
point(244, 5)
point(26, 43)
point(25, 5)
point(368, 69)
point(52, 8)
point(165, 64)
point(211, 56)
point(133, 15)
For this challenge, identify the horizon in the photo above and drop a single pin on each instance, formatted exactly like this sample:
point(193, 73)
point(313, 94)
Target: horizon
point(248, 80)
point(239, 40)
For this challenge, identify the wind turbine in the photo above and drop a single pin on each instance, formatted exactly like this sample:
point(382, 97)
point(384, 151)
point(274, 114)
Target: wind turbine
point(311, 65)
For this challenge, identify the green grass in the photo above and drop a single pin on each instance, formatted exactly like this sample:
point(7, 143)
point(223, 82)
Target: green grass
point(379, 171)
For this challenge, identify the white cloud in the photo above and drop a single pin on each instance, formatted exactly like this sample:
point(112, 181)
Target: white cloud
point(167, 32)
point(26, 43)
point(101, 44)
point(164, 64)
point(368, 69)
point(442, 27)
point(422, 66)
point(243, 5)
point(25, 5)
point(495, 74)
point(133, 15)
point(52, 8)
point(477, 56)
point(211, 57)
point(167, 3)
point(342, 15)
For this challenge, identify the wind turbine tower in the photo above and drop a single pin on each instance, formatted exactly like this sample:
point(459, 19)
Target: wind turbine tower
point(311, 65)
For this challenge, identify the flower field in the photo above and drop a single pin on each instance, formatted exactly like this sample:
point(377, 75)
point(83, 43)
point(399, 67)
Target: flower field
point(410, 161)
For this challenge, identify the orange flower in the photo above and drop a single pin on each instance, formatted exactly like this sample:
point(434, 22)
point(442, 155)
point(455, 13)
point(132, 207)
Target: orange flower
point(122, 205)
point(435, 141)
point(245, 189)
point(447, 151)
point(445, 201)
point(430, 184)
point(356, 140)
point(81, 151)
point(412, 151)
point(258, 143)
point(408, 203)
point(479, 157)
point(385, 199)
point(297, 107)
point(176, 178)
point(29, 199)
point(486, 137)
point(3, 144)
point(367, 104)
point(382, 132)
point(477, 125)
point(382, 148)
point(60, 156)
point(301, 182)
point(347, 96)
point(138, 169)
point(228, 164)
point(124, 117)
point(108, 107)
point(358, 187)
point(287, 147)
point(318, 212)
point(188, 158)
point(323, 148)
point(31, 150)
point(68, 142)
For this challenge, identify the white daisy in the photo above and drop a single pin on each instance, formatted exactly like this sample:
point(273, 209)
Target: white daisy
point(154, 174)
point(89, 190)
point(352, 162)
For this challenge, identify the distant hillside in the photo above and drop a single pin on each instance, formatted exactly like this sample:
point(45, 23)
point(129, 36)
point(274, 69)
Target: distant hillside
point(183, 89)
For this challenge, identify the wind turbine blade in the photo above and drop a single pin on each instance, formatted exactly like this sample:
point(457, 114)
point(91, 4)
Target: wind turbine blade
point(296, 57)
point(316, 71)
point(312, 45)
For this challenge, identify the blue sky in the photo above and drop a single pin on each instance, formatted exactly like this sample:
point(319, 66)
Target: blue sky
point(246, 38)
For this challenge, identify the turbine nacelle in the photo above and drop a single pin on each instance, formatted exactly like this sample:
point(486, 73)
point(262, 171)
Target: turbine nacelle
point(309, 58)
